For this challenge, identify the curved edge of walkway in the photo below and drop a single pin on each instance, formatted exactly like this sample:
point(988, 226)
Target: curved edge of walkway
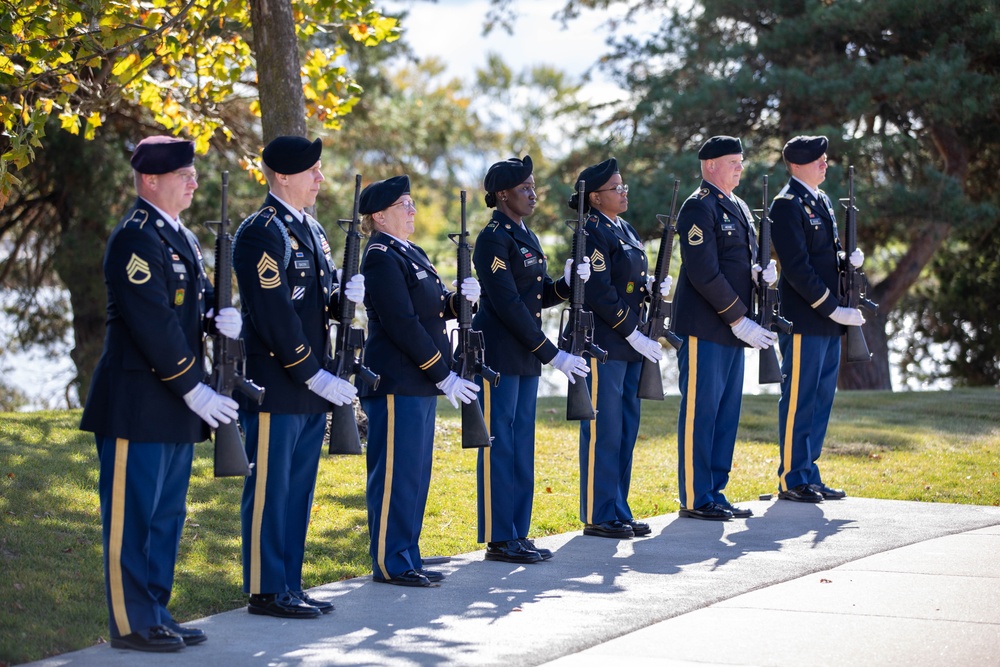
point(856, 581)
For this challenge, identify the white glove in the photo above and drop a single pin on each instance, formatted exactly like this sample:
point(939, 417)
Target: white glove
point(770, 272)
point(665, 286)
point(211, 406)
point(331, 387)
point(570, 365)
point(857, 258)
point(470, 289)
point(456, 389)
point(646, 347)
point(754, 335)
point(583, 271)
point(228, 322)
point(849, 317)
point(354, 290)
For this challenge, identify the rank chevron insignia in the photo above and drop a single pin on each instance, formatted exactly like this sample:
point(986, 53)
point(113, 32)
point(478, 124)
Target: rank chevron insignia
point(497, 265)
point(137, 270)
point(695, 235)
point(267, 271)
point(597, 262)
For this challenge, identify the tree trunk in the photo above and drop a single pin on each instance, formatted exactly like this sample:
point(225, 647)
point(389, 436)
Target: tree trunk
point(924, 243)
point(279, 73)
point(78, 263)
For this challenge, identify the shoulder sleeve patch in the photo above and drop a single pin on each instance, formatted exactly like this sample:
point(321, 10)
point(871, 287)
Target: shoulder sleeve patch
point(695, 235)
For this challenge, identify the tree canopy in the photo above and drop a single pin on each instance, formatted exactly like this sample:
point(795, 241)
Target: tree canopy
point(175, 65)
point(899, 87)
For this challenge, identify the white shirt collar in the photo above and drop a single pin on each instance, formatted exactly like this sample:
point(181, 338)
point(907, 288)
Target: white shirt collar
point(174, 224)
point(405, 244)
point(813, 192)
point(297, 214)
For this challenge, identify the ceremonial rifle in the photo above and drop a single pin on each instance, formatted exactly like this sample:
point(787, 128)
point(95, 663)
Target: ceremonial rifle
point(228, 355)
point(657, 322)
point(576, 325)
point(469, 348)
point(349, 345)
point(853, 282)
point(768, 305)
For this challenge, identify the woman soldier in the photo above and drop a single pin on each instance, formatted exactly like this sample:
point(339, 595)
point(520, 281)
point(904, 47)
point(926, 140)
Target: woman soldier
point(408, 347)
point(516, 287)
point(616, 293)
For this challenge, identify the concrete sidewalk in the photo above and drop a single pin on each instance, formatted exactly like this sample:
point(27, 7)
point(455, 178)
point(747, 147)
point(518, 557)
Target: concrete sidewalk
point(859, 582)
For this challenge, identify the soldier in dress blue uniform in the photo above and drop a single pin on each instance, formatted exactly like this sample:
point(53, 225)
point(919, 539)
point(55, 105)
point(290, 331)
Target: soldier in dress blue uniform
point(711, 308)
point(289, 292)
point(148, 403)
point(516, 287)
point(805, 239)
point(616, 292)
point(408, 347)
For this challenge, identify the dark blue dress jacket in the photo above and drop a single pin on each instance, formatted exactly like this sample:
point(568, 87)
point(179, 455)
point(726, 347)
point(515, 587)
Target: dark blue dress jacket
point(407, 307)
point(718, 247)
point(511, 268)
point(153, 352)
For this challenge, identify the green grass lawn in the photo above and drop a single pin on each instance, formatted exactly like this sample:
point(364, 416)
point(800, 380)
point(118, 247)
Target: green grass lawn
point(935, 447)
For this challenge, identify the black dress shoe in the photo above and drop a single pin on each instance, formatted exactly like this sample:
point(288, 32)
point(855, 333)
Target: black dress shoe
point(737, 512)
point(803, 493)
point(707, 512)
point(191, 636)
point(410, 578)
point(432, 575)
point(323, 606)
point(511, 551)
point(281, 605)
point(156, 639)
point(828, 493)
point(530, 546)
point(639, 529)
point(613, 529)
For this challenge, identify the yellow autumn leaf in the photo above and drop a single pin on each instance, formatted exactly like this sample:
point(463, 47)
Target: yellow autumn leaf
point(124, 64)
point(70, 122)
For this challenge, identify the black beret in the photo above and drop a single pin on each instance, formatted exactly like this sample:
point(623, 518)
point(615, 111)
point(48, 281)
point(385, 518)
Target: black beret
point(291, 155)
point(507, 174)
point(380, 195)
point(720, 146)
point(161, 155)
point(594, 177)
point(803, 150)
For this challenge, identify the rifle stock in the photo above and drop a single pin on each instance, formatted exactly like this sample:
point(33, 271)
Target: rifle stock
point(657, 322)
point(348, 355)
point(576, 324)
point(854, 283)
point(768, 304)
point(228, 355)
point(469, 348)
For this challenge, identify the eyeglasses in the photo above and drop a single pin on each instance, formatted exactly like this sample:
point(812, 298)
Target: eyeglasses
point(406, 203)
point(621, 189)
point(189, 176)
